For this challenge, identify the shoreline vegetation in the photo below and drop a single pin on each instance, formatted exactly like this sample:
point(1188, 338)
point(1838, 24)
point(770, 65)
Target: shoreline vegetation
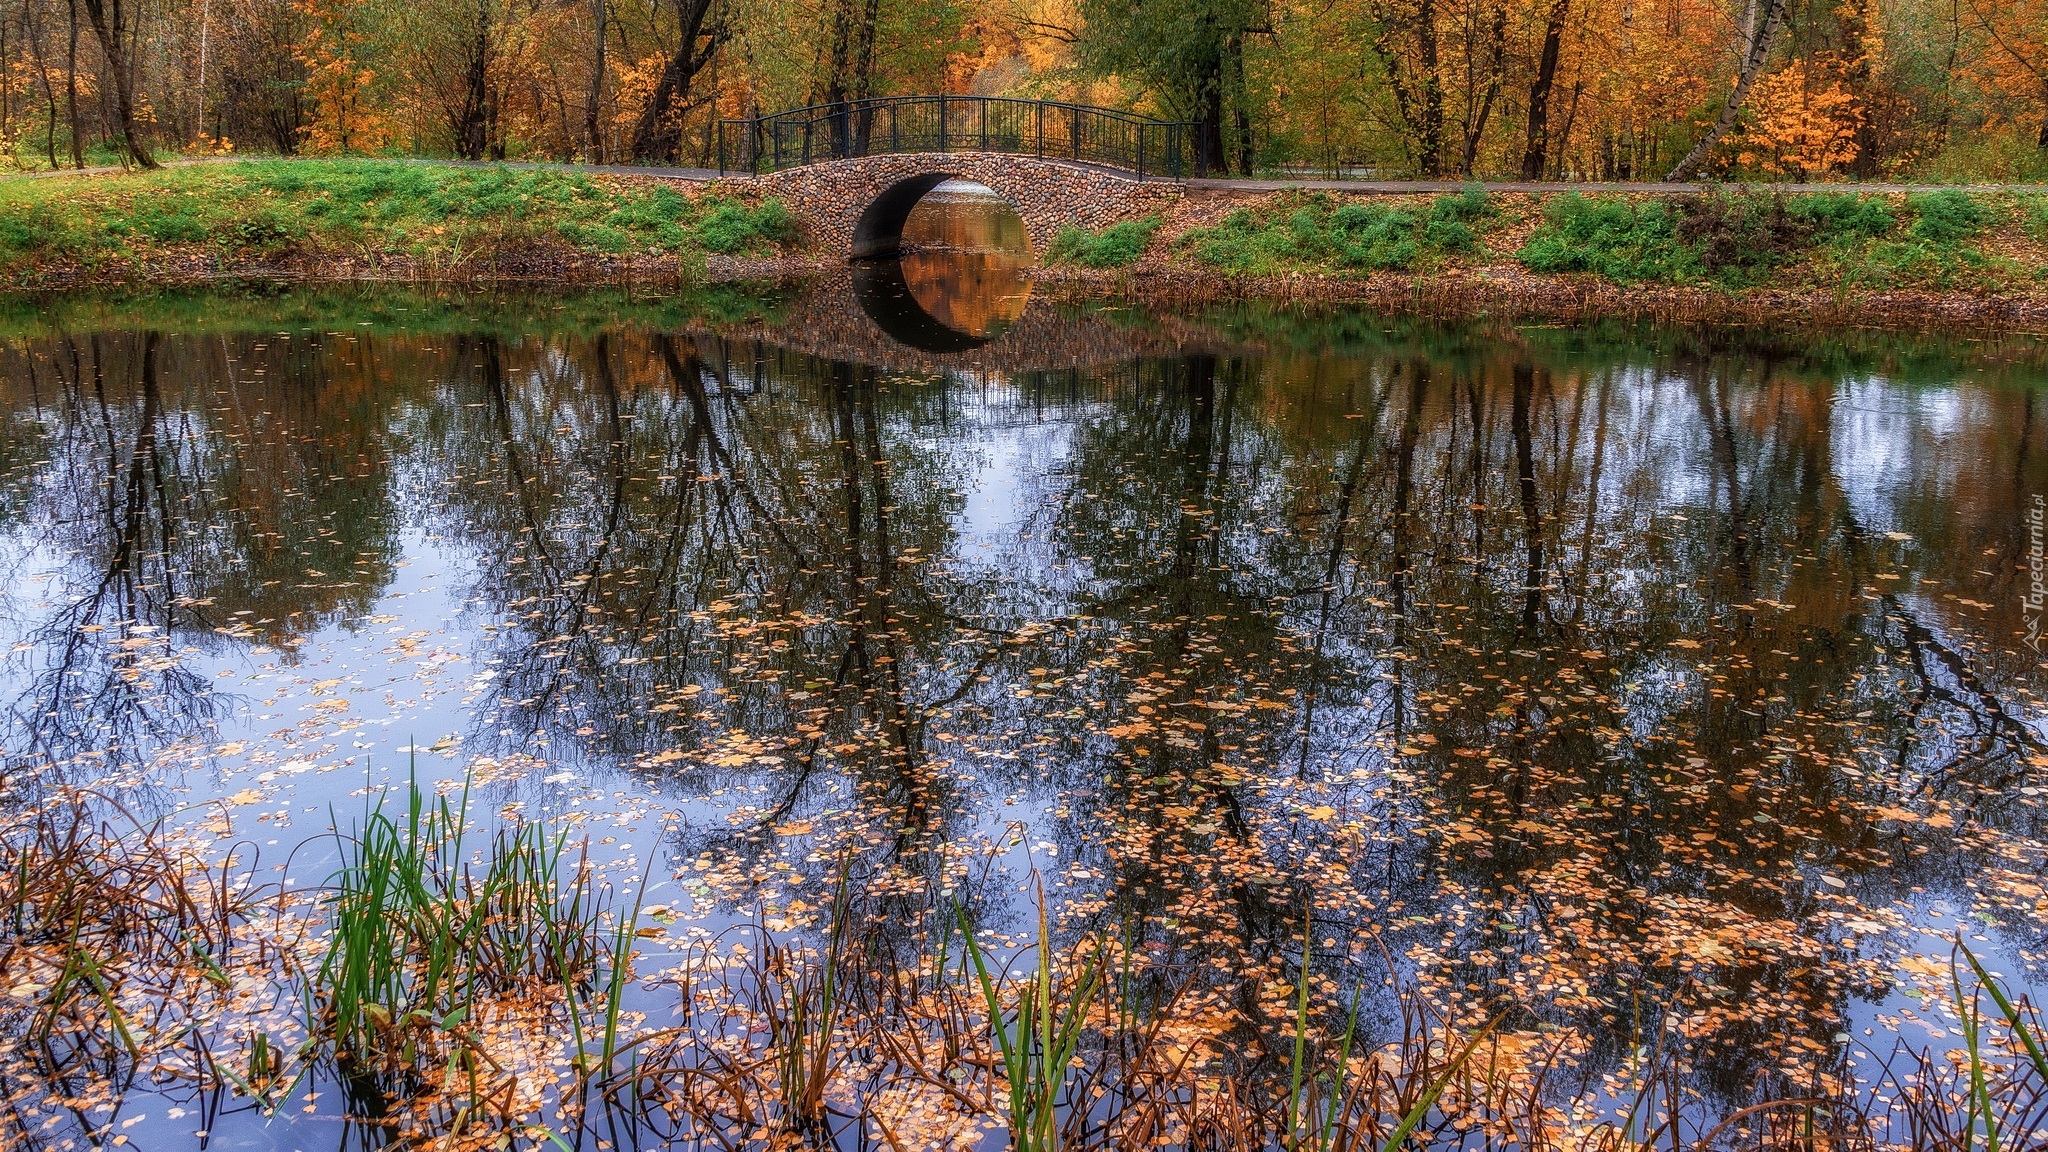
point(463, 983)
point(1939, 257)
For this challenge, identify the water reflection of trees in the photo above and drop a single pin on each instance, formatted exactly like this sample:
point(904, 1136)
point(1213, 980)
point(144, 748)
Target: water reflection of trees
point(175, 494)
point(1569, 673)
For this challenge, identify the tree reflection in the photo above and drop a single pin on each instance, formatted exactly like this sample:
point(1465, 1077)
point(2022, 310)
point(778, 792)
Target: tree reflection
point(1625, 683)
point(174, 498)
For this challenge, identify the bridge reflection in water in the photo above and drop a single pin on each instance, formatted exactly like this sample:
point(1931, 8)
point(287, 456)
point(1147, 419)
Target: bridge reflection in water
point(958, 281)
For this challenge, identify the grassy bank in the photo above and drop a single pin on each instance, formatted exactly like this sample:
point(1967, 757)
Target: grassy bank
point(1729, 254)
point(329, 217)
point(1727, 244)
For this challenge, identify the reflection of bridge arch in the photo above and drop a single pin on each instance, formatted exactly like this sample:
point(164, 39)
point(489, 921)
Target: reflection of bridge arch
point(821, 321)
point(883, 293)
point(858, 206)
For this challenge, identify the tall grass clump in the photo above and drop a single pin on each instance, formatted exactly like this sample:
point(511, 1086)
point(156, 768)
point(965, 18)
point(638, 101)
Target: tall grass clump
point(1319, 232)
point(1843, 217)
point(1740, 239)
point(731, 228)
point(1621, 240)
point(1117, 246)
point(428, 948)
point(127, 960)
point(1936, 247)
point(1037, 1032)
point(1945, 217)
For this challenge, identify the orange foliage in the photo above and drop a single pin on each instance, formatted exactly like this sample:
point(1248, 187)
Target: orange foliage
point(338, 86)
point(1805, 121)
point(2016, 65)
point(1639, 70)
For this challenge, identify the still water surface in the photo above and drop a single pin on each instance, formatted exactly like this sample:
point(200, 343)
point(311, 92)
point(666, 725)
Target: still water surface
point(1617, 674)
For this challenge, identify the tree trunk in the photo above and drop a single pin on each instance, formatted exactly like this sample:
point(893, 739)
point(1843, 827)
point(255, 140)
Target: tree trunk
point(1496, 73)
point(1213, 153)
point(1432, 91)
point(1853, 20)
point(1752, 63)
point(33, 29)
point(1536, 152)
point(71, 90)
point(471, 122)
point(1246, 147)
point(592, 130)
point(107, 28)
point(658, 134)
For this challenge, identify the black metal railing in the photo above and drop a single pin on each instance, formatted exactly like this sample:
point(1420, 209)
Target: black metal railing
point(896, 124)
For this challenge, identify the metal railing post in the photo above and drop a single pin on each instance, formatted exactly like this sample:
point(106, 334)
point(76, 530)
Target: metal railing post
point(1074, 137)
point(1041, 130)
point(984, 124)
point(1141, 151)
point(894, 145)
point(942, 124)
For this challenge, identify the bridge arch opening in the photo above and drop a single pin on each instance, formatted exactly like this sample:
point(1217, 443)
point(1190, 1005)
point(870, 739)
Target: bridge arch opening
point(879, 233)
point(955, 278)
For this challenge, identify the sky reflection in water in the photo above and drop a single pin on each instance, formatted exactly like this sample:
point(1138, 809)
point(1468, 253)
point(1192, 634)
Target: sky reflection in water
point(1611, 672)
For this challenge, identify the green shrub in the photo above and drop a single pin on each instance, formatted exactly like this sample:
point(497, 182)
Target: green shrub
point(1946, 216)
point(1361, 236)
point(262, 231)
point(1116, 246)
point(1462, 207)
point(1914, 262)
point(730, 227)
point(1843, 216)
point(1625, 242)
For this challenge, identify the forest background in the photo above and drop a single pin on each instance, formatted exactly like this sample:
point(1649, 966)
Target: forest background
point(1939, 90)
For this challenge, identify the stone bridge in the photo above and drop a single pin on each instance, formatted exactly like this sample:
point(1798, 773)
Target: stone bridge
point(858, 206)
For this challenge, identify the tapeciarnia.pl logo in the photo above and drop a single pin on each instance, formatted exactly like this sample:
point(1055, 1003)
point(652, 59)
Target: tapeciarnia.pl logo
point(2037, 569)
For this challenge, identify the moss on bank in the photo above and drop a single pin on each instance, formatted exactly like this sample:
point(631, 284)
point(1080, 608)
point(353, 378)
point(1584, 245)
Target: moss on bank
point(434, 215)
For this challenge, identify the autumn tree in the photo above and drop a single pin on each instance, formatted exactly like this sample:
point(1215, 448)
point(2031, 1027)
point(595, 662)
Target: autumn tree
point(658, 129)
point(112, 26)
point(1763, 24)
point(1536, 147)
point(1186, 56)
point(341, 87)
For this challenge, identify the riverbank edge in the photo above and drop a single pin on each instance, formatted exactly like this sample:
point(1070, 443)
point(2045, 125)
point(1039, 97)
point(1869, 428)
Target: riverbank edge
point(1512, 292)
point(1496, 290)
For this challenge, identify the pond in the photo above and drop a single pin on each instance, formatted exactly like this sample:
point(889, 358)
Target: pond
point(1626, 720)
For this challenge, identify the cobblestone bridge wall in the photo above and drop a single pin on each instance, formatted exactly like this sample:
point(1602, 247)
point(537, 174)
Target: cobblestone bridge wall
point(858, 206)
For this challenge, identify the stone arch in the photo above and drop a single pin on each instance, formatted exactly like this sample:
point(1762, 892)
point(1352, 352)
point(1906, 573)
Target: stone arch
point(878, 231)
point(857, 206)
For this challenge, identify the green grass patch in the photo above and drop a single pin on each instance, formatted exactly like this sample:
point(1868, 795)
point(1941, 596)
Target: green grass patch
point(1320, 232)
point(1620, 240)
point(438, 213)
point(1117, 246)
point(1738, 239)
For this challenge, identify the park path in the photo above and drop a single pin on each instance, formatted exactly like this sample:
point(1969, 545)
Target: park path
point(1211, 184)
point(697, 174)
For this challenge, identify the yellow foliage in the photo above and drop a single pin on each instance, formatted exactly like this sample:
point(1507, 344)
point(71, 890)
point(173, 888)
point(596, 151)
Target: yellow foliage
point(1805, 122)
point(345, 117)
